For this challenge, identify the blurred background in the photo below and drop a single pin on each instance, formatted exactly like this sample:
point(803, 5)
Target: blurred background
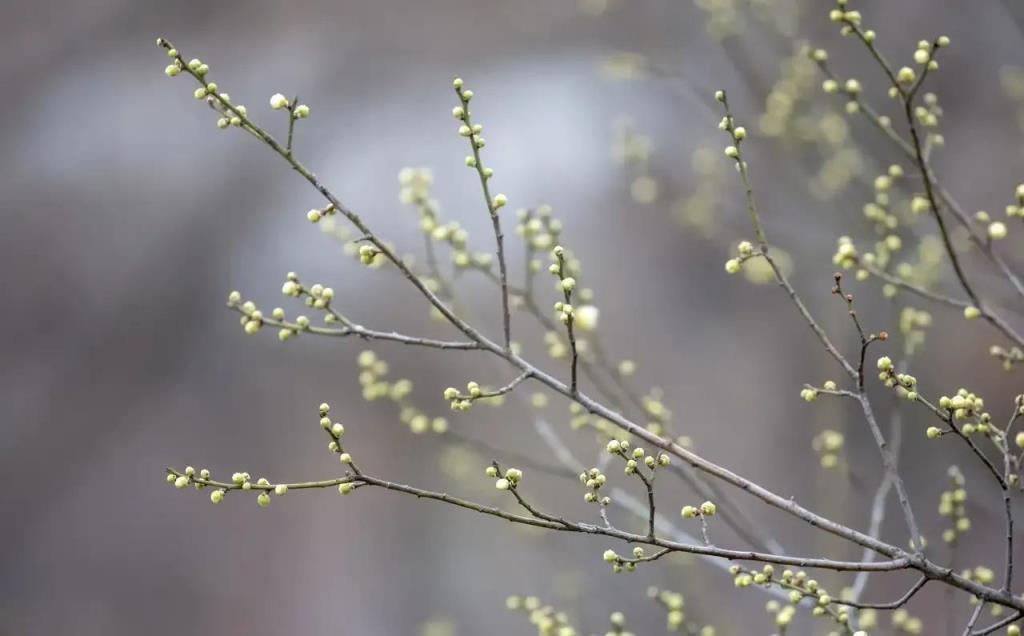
point(128, 216)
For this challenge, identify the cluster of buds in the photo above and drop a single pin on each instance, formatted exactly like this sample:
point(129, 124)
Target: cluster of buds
point(415, 185)
point(544, 617)
point(846, 253)
point(808, 394)
point(240, 480)
point(316, 214)
point(636, 457)
point(953, 505)
point(783, 614)
point(965, 405)
point(904, 383)
point(594, 479)
point(737, 133)
point(659, 414)
point(879, 211)
point(566, 283)
point(509, 481)
point(462, 401)
point(980, 574)
point(373, 377)
point(252, 318)
point(912, 324)
point(539, 229)
point(903, 622)
point(675, 606)
point(280, 102)
point(744, 251)
point(827, 444)
point(1016, 209)
point(415, 189)
point(368, 254)
point(187, 477)
point(316, 296)
point(925, 52)
point(929, 115)
point(1009, 357)
point(620, 563)
point(373, 372)
point(841, 14)
point(799, 587)
point(706, 509)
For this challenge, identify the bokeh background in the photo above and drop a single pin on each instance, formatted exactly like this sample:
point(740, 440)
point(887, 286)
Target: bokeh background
point(127, 217)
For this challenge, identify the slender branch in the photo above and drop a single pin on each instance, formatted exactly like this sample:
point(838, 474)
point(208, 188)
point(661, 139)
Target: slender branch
point(1015, 616)
point(539, 519)
point(366, 334)
point(878, 502)
point(494, 204)
point(900, 602)
point(856, 373)
point(974, 618)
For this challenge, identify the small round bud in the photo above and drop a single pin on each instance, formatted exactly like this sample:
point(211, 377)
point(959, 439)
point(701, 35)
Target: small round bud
point(610, 556)
point(997, 231)
point(313, 216)
point(263, 499)
point(708, 509)
point(500, 200)
point(301, 111)
point(217, 496)
point(280, 490)
point(971, 312)
point(278, 101)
